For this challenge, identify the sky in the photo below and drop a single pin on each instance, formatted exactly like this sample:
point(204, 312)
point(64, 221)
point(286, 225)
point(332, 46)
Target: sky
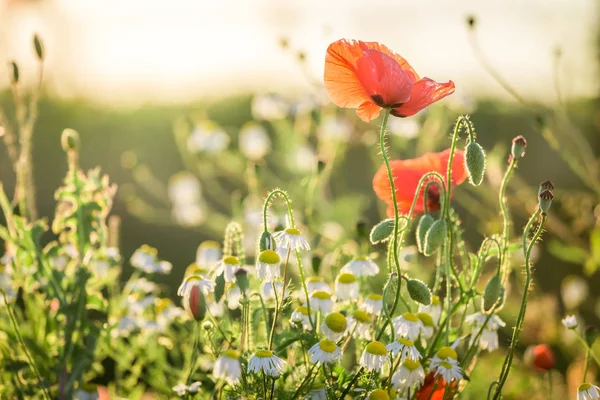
point(137, 51)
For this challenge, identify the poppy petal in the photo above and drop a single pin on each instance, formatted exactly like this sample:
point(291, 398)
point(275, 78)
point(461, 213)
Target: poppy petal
point(383, 78)
point(412, 74)
point(424, 92)
point(368, 111)
point(341, 82)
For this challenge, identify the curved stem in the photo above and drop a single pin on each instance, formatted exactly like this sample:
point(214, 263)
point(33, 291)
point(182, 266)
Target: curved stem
point(267, 202)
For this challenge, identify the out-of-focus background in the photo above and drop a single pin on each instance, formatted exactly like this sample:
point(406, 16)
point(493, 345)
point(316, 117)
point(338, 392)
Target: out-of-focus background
point(217, 102)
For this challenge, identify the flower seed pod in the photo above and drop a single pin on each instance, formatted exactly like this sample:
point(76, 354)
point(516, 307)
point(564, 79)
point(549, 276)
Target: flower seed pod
point(546, 185)
point(15, 73)
point(519, 144)
point(492, 293)
point(419, 291)
point(424, 224)
point(241, 278)
point(545, 200)
point(266, 242)
point(475, 162)
point(435, 236)
point(382, 231)
point(69, 140)
point(195, 303)
point(39, 48)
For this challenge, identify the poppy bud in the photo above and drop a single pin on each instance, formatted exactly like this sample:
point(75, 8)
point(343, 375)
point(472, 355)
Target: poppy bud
point(419, 291)
point(207, 325)
point(424, 224)
point(492, 293)
point(519, 144)
point(241, 278)
point(434, 237)
point(69, 140)
point(266, 242)
point(39, 48)
point(195, 303)
point(546, 185)
point(475, 162)
point(15, 73)
point(540, 357)
point(382, 231)
point(545, 200)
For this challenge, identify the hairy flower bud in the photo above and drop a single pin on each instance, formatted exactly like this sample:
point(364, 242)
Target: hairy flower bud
point(195, 303)
point(69, 140)
point(419, 291)
point(475, 162)
point(519, 144)
point(545, 200)
point(39, 48)
point(15, 73)
point(424, 224)
point(382, 231)
point(266, 242)
point(492, 293)
point(241, 278)
point(434, 237)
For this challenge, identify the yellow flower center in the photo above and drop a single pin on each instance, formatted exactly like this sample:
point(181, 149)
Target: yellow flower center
point(346, 278)
point(584, 386)
point(269, 257)
point(379, 394)
point(376, 348)
point(194, 269)
point(161, 304)
point(447, 352)
point(232, 354)
point(410, 317)
point(321, 295)
point(263, 354)
point(336, 322)
point(411, 364)
point(435, 300)
point(362, 316)
point(302, 310)
point(150, 250)
point(426, 319)
point(405, 342)
point(361, 258)
point(375, 296)
point(231, 260)
point(314, 279)
point(209, 244)
point(327, 346)
point(317, 386)
point(446, 365)
point(292, 231)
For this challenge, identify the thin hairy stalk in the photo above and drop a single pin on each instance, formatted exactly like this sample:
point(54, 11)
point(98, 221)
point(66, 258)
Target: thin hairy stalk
point(264, 310)
point(194, 353)
point(504, 255)
point(278, 304)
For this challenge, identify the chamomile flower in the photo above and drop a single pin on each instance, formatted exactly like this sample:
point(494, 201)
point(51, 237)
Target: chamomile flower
point(228, 367)
point(325, 352)
point(317, 284)
point(181, 389)
point(409, 374)
point(228, 267)
point(406, 348)
point(291, 238)
point(145, 258)
point(444, 354)
point(207, 137)
point(317, 392)
point(334, 326)
point(268, 290)
point(321, 301)
point(300, 315)
point(206, 285)
point(234, 295)
point(373, 304)
point(360, 266)
point(428, 325)
point(379, 394)
point(434, 309)
point(374, 357)
point(448, 371)
point(208, 254)
point(360, 324)
point(570, 322)
point(587, 391)
point(489, 335)
point(194, 387)
point(266, 362)
point(346, 287)
point(408, 325)
point(268, 265)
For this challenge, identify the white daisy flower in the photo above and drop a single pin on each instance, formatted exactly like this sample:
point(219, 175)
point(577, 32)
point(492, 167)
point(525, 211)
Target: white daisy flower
point(373, 304)
point(291, 238)
point(325, 352)
point(216, 309)
point(406, 348)
point(188, 214)
point(587, 391)
point(317, 284)
point(334, 326)
point(448, 371)
point(489, 336)
point(208, 254)
point(346, 287)
point(570, 322)
point(379, 394)
point(317, 392)
point(444, 354)
point(360, 266)
point(184, 189)
point(335, 128)
point(194, 387)
point(409, 374)
point(181, 389)
point(321, 301)
point(267, 290)
point(374, 357)
point(428, 325)
point(254, 141)
point(268, 265)
point(266, 362)
point(145, 258)
point(434, 309)
point(300, 315)
point(234, 295)
point(228, 367)
point(228, 266)
point(206, 285)
point(360, 324)
point(207, 137)
point(269, 107)
point(408, 325)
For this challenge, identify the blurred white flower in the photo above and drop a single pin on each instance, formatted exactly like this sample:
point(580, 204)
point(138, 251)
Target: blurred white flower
point(332, 230)
point(184, 189)
point(208, 137)
point(267, 290)
point(574, 290)
point(254, 141)
point(269, 107)
point(208, 254)
point(305, 159)
point(188, 214)
point(145, 258)
point(407, 128)
point(570, 322)
point(335, 128)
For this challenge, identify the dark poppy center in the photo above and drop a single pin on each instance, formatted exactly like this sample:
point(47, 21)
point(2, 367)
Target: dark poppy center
point(433, 198)
point(378, 99)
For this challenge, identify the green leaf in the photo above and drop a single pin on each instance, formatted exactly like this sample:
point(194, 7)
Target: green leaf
point(219, 287)
point(564, 252)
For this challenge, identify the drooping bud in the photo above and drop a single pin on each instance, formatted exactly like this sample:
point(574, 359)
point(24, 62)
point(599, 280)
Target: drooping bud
point(492, 293)
point(39, 48)
point(422, 227)
point(382, 231)
point(471, 21)
point(435, 236)
point(241, 278)
point(14, 79)
point(546, 185)
point(69, 140)
point(419, 291)
point(316, 264)
point(195, 303)
point(475, 162)
point(519, 144)
point(545, 200)
point(540, 357)
point(266, 242)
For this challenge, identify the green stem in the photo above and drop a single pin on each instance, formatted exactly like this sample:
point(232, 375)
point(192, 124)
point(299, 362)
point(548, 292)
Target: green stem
point(264, 310)
point(503, 255)
point(267, 203)
point(277, 303)
point(587, 363)
point(592, 354)
point(194, 353)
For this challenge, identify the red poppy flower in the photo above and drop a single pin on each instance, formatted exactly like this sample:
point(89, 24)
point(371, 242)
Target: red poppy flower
point(540, 357)
point(430, 385)
point(369, 76)
point(407, 174)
